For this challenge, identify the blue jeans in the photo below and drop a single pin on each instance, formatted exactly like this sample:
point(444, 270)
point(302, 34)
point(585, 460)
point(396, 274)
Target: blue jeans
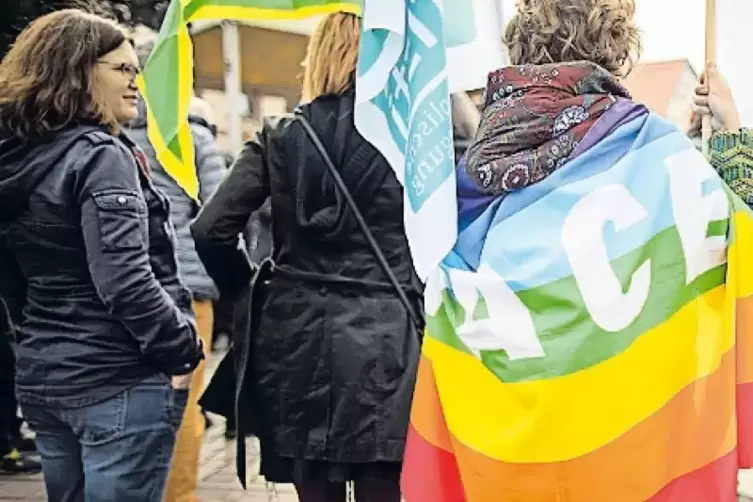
point(118, 450)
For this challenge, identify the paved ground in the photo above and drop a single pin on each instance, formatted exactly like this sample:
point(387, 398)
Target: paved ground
point(218, 481)
point(746, 486)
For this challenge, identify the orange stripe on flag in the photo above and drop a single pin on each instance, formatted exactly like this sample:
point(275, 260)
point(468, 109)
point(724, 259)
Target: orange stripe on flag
point(634, 467)
point(744, 327)
point(744, 316)
point(427, 410)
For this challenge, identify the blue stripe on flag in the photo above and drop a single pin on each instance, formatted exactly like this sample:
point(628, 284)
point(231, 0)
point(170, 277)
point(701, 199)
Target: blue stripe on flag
point(631, 156)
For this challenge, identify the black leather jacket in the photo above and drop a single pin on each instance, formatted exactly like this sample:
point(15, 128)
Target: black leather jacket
point(88, 269)
point(334, 359)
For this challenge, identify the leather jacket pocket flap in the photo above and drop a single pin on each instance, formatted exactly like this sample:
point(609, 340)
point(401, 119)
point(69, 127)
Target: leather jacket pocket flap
point(120, 201)
point(122, 219)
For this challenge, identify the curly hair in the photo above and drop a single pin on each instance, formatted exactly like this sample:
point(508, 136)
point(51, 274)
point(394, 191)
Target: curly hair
point(46, 79)
point(330, 65)
point(557, 31)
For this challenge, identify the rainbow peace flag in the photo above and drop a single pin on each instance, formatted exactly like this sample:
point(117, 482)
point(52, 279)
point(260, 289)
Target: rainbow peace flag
point(167, 78)
point(590, 338)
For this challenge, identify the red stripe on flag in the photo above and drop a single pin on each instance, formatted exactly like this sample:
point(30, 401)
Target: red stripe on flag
point(715, 482)
point(744, 313)
point(745, 425)
point(430, 474)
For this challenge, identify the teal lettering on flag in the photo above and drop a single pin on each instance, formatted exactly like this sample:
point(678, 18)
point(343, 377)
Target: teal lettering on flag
point(403, 108)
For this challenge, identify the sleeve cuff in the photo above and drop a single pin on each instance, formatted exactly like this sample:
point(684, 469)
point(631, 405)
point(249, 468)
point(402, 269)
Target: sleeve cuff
point(724, 141)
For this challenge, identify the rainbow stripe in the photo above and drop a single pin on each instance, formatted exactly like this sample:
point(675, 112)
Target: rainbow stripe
point(167, 78)
point(599, 405)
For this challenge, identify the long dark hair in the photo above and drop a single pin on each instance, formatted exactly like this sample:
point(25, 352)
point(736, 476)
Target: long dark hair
point(46, 80)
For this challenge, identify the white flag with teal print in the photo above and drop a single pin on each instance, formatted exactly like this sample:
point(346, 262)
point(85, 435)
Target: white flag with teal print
point(403, 103)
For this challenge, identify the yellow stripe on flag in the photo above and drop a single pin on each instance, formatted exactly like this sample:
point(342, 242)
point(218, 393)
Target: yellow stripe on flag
point(545, 420)
point(183, 172)
point(743, 239)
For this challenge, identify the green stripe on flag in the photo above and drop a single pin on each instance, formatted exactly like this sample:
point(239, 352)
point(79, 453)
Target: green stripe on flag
point(161, 78)
point(174, 148)
point(562, 321)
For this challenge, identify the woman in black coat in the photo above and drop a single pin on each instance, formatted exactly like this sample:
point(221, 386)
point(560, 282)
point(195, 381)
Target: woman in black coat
point(335, 353)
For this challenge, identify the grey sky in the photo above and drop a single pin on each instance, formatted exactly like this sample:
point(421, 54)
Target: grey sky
point(672, 29)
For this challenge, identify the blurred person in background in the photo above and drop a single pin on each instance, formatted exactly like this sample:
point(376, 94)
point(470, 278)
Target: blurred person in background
point(334, 349)
point(210, 169)
point(106, 340)
point(14, 447)
point(223, 310)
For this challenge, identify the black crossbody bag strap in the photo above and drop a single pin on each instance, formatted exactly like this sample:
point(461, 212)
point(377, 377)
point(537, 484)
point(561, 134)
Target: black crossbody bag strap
point(359, 219)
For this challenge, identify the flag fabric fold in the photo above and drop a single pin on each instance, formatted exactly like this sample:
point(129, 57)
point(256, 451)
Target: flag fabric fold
point(167, 78)
point(589, 337)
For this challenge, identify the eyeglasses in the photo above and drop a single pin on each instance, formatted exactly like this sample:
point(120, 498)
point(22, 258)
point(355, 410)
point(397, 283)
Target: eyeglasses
point(124, 68)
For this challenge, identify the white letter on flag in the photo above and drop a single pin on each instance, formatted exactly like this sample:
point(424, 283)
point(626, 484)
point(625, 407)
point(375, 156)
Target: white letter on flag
point(509, 326)
point(693, 211)
point(583, 240)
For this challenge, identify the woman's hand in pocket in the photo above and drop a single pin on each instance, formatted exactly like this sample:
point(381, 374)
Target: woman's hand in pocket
point(181, 382)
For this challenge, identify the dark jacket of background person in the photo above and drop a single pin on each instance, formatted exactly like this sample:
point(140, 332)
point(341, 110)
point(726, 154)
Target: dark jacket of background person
point(10, 424)
point(99, 314)
point(335, 355)
point(210, 169)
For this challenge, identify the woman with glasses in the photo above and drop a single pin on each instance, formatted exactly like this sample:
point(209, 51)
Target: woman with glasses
point(106, 341)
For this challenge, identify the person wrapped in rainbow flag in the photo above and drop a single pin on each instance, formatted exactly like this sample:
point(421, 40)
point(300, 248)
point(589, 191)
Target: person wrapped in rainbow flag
point(590, 336)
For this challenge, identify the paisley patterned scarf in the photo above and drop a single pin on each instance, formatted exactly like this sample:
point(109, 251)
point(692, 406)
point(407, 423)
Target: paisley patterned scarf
point(533, 119)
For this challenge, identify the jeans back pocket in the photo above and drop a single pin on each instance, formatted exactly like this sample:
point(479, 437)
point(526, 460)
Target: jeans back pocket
point(99, 423)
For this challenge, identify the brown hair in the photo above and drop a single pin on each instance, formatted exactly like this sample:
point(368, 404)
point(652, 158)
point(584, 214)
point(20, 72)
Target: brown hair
point(46, 80)
point(330, 66)
point(556, 31)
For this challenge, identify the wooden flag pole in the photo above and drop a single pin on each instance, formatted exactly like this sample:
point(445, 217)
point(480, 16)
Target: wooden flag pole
point(710, 38)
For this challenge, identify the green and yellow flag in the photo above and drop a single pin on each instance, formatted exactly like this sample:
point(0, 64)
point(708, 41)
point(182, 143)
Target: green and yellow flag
point(167, 78)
